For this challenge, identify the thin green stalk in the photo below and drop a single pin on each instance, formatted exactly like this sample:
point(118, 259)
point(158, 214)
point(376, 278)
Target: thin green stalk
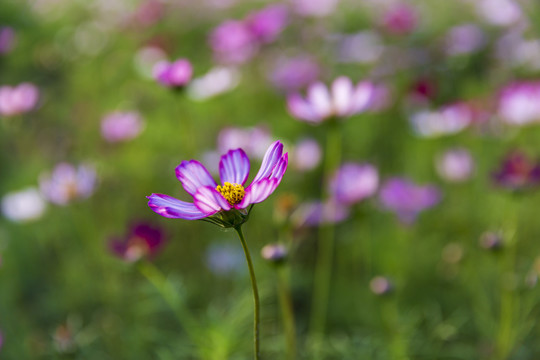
point(256, 313)
point(287, 312)
point(325, 252)
point(507, 331)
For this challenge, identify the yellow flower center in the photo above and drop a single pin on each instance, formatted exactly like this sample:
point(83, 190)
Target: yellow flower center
point(233, 193)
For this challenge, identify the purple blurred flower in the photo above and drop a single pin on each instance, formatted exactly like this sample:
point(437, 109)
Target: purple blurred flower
point(455, 165)
point(317, 213)
point(23, 205)
point(174, 75)
point(381, 285)
point(254, 141)
point(121, 126)
point(274, 253)
point(225, 259)
point(142, 240)
point(353, 183)
point(400, 19)
point(447, 120)
point(518, 172)
point(306, 155)
point(233, 42)
point(7, 39)
point(19, 99)
point(464, 39)
point(519, 103)
point(316, 8)
point(407, 199)
point(266, 24)
point(67, 183)
point(148, 12)
point(294, 73)
point(228, 202)
point(341, 101)
point(499, 12)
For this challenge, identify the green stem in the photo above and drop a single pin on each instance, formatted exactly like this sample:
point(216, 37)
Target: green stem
point(325, 252)
point(287, 312)
point(506, 335)
point(256, 314)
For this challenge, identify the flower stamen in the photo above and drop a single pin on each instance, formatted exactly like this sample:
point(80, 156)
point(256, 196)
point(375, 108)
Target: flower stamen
point(233, 193)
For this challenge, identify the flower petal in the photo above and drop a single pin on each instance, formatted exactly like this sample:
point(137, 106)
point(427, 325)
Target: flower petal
point(279, 169)
point(193, 175)
point(301, 109)
point(234, 167)
point(319, 99)
point(258, 192)
point(170, 207)
point(342, 92)
point(271, 158)
point(362, 96)
point(210, 201)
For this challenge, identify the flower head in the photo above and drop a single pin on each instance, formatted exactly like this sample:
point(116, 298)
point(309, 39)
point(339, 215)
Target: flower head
point(233, 42)
point(341, 101)
point(142, 240)
point(174, 75)
point(354, 182)
point(18, 99)
point(519, 103)
point(455, 165)
point(266, 24)
point(121, 126)
point(407, 199)
point(518, 172)
point(226, 204)
point(274, 253)
point(23, 205)
point(67, 182)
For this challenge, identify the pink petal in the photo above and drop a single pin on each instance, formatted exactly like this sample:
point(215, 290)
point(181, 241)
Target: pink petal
point(210, 201)
point(193, 175)
point(342, 92)
point(319, 99)
point(170, 207)
point(271, 158)
point(234, 167)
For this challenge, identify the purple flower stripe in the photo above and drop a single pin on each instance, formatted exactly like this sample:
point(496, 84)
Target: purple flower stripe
point(193, 175)
point(271, 158)
point(210, 201)
point(234, 167)
point(170, 207)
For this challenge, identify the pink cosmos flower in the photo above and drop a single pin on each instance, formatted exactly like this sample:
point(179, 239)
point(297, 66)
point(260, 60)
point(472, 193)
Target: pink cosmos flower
point(225, 205)
point(353, 183)
point(294, 73)
point(407, 199)
point(142, 240)
point(341, 101)
point(121, 126)
point(455, 165)
point(518, 172)
point(401, 19)
point(67, 182)
point(449, 119)
point(174, 75)
point(7, 39)
point(233, 42)
point(266, 24)
point(18, 99)
point(519, 103)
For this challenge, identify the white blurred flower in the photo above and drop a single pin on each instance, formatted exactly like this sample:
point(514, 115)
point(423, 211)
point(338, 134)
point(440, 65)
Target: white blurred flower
point(23, 205)
point(455, 165)
point(217, 81)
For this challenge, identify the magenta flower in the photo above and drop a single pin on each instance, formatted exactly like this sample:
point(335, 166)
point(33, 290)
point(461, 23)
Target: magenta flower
point(7, 39)
point(18, 100)
point(233, 42)
point(341, 101)
point(268, 23)
point(519, 103)
point(225, 205)
point(447, 120)
point(121, 126)
point(294, 73)
point(353, 183)
point(173, 75)
point(67, 182)
point(518, 172)
point(142, 240)
point(401, 19)
point(407, 199)
point(455, 165)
